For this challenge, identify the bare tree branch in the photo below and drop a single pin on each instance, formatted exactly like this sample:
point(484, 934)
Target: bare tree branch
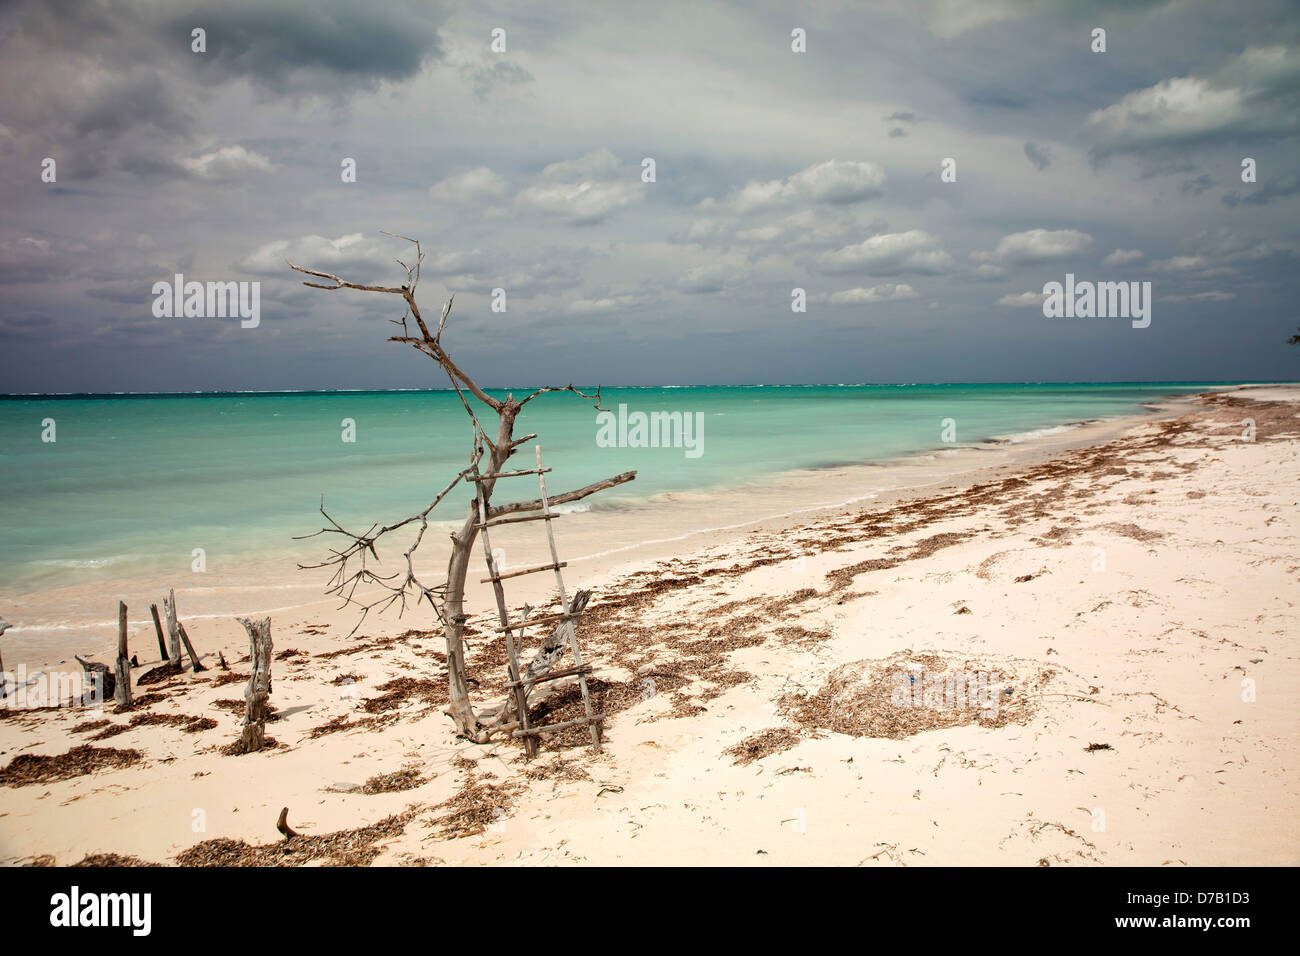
point(536, 503)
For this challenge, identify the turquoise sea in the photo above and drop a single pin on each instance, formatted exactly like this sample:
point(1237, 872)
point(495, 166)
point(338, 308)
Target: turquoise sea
point(132, 483)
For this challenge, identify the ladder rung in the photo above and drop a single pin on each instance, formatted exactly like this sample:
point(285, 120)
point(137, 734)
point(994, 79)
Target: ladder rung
point(545, 619)
point(551, 675)
point(508, 474)
point(515, 574)
point(493, 522)
point(552, 728)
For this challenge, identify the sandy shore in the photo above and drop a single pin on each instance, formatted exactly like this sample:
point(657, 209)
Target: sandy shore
point(1123, 615)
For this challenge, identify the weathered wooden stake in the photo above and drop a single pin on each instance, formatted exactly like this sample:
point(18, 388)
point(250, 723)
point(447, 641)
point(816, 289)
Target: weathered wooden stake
point(173, 633)
point(122, 672)
point(4, 678)
point(259, 685)
point(185, 639)
point(157, 626)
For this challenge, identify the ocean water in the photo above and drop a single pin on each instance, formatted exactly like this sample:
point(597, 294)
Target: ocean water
point(131, 485)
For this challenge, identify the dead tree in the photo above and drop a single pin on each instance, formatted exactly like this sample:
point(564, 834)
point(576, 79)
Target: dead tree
point(349, 562)
point(258, 689)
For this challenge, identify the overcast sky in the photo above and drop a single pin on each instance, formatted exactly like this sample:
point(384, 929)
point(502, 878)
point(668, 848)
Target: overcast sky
point(522, 170)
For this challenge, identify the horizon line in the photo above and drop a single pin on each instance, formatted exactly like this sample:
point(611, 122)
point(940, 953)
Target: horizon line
point(511, 388)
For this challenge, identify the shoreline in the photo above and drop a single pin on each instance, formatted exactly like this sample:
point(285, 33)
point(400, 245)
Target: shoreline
point(739, 677)
point(40, 637)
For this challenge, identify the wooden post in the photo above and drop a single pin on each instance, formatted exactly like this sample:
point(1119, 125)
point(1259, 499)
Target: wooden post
point(259, 685)
point(122, 673)
point(173, 633)
point(185, 639)
point(4, 678)
point(157, 626)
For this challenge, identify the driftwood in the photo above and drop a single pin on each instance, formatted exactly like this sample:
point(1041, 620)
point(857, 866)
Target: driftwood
point(282, 825)
point(157, 626)
point(189, 648)
point(502, 717)
point(99, 679)
point(259, 685)
point(487, 462)
point(160, 673)
point(173, 632)
point(122, 671)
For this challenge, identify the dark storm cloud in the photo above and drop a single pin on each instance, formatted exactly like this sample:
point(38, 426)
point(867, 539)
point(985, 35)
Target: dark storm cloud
point(1040, 156)
point(1279, 187)
point(523, 171)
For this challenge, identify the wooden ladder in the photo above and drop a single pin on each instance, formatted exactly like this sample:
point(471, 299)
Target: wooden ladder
point(517, 686)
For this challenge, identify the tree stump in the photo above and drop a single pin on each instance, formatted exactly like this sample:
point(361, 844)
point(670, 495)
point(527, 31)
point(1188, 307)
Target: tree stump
point(259, 685)
point(99, 680)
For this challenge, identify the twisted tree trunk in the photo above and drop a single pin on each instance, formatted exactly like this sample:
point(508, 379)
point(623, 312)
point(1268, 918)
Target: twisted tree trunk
point(462, 549)
point(258, 689)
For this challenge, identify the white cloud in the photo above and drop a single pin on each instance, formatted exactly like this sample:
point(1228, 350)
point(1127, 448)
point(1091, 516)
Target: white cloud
point(1214, 295)
point(583, 190)
point(469, 188)
point(834, 181)
point(1036, 245)
point(710, 278)
point(1253, 94)
point(889, 254)
point(1181, 264)
point(317, 252)
point(226, 164)
point(583, 203)
point(987, 272)
point(885, 292)
point(950, 18)
point(599, 164)
point(1121, 257)
point(1024, 300)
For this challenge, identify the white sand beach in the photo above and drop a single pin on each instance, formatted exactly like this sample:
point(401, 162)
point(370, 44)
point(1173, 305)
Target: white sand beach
point(1126, 606)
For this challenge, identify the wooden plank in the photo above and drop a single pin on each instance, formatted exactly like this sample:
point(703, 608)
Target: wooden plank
point(545, 619)
point(504, 474)
point(552, 728)
point(553, 675)
point(515, 574)
point(496, 521)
